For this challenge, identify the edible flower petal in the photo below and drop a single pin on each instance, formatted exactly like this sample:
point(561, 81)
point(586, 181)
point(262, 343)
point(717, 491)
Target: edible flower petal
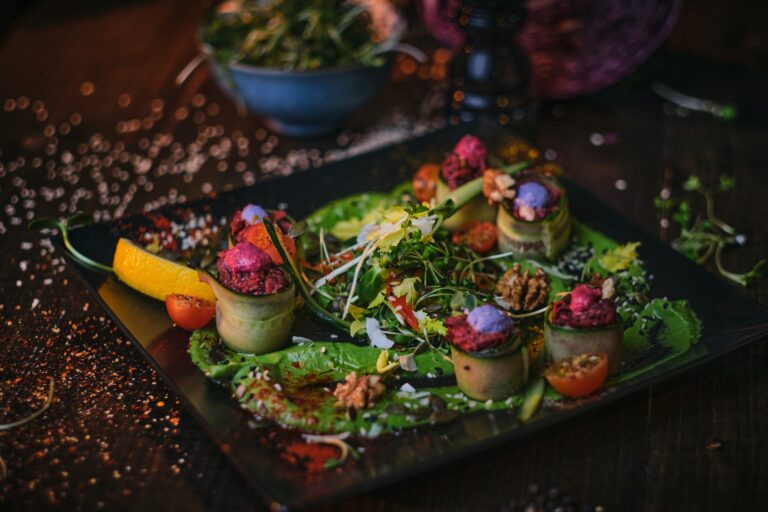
point(425, 224)
point(407, 288)
point(619, 258)
point(375, 334)
point(408, 362)
point(431, 325)
point(382, 362)
point(253, 214)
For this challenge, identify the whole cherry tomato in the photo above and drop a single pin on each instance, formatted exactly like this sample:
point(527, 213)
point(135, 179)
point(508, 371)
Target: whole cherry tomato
point(425, 182)
point(579, 375)
point(189, 312)
point(479, 236)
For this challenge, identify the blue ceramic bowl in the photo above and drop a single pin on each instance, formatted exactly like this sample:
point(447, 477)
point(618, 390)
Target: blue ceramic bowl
point(302, 103)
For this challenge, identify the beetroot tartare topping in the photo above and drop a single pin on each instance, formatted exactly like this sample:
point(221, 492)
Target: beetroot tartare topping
point(472, 151)
point(465, 163)
point(247, 269)
point(584, 308)
point(483, 328)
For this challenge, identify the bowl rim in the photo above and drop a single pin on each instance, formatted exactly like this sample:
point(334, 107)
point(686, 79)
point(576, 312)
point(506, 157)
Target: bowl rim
point(338, 70)
point(207, 50)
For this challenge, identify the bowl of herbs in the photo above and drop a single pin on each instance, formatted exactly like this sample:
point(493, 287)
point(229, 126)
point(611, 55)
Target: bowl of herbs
point(304, 65)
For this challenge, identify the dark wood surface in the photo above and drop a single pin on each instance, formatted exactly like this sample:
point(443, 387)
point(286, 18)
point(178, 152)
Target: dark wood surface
point(115, 438)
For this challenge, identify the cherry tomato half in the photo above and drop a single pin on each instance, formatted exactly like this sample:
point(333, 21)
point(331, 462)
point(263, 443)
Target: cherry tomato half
point(189, 312)
point(579, 375)
point(479, 236)
point(425, 182)
point(258, 236)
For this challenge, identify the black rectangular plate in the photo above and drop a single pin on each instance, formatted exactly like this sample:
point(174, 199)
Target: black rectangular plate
point(730, 321)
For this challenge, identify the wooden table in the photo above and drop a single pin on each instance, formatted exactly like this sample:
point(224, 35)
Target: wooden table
point(115, 438)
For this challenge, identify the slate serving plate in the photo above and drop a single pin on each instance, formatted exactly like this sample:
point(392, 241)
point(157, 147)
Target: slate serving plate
point(730, 321)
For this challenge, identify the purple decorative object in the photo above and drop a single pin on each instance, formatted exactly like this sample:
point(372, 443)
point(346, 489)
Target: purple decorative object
point(575, 47)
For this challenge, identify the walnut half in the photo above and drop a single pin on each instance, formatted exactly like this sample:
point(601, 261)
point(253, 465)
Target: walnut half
point(524, 292)
point(359, 392)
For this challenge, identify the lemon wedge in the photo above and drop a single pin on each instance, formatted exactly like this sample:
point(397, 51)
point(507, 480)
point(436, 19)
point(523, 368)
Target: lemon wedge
point(156, 276)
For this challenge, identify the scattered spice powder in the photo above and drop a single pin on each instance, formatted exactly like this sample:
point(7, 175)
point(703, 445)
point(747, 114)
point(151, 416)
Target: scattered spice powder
point(311, 457)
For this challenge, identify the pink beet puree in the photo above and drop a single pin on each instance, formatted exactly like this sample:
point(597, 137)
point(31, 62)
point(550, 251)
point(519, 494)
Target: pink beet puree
point(585, 307)
point(472, 151)
point(465, 163)
point(247, 269)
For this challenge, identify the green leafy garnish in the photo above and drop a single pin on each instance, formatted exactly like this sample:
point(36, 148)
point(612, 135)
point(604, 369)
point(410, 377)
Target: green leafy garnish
point(371, 284)
point(295, 34)
point(407, 288)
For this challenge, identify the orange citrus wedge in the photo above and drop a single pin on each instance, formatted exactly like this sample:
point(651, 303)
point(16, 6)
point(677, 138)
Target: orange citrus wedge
point(156, 276)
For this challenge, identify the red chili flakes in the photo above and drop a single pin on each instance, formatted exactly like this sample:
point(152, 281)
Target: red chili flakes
point(311, 457)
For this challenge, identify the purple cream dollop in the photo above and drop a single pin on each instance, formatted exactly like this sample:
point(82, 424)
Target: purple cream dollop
point(532, 194)
point(489, 319)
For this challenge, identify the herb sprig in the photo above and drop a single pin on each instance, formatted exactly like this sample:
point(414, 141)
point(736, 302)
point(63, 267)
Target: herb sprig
point(703, 235)
point(293, 34)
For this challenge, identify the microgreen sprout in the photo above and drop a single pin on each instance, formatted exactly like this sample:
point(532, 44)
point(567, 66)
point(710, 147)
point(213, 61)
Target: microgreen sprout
point(704, 236)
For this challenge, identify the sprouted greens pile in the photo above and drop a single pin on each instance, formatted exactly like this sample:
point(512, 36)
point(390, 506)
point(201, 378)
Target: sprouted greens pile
point(390, 281)
point(298, 35)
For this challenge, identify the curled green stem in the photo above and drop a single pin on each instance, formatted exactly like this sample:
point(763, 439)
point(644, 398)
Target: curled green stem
point(80, 257)
point(64, 227)
point(707, 253)
point(528, 314)
point(712, 217)
point(290, 266)
point(345, 450)
point(41, 410)
point(744, 279)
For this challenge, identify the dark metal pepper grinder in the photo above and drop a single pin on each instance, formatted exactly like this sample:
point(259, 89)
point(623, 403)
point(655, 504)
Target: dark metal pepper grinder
point(490, 73)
